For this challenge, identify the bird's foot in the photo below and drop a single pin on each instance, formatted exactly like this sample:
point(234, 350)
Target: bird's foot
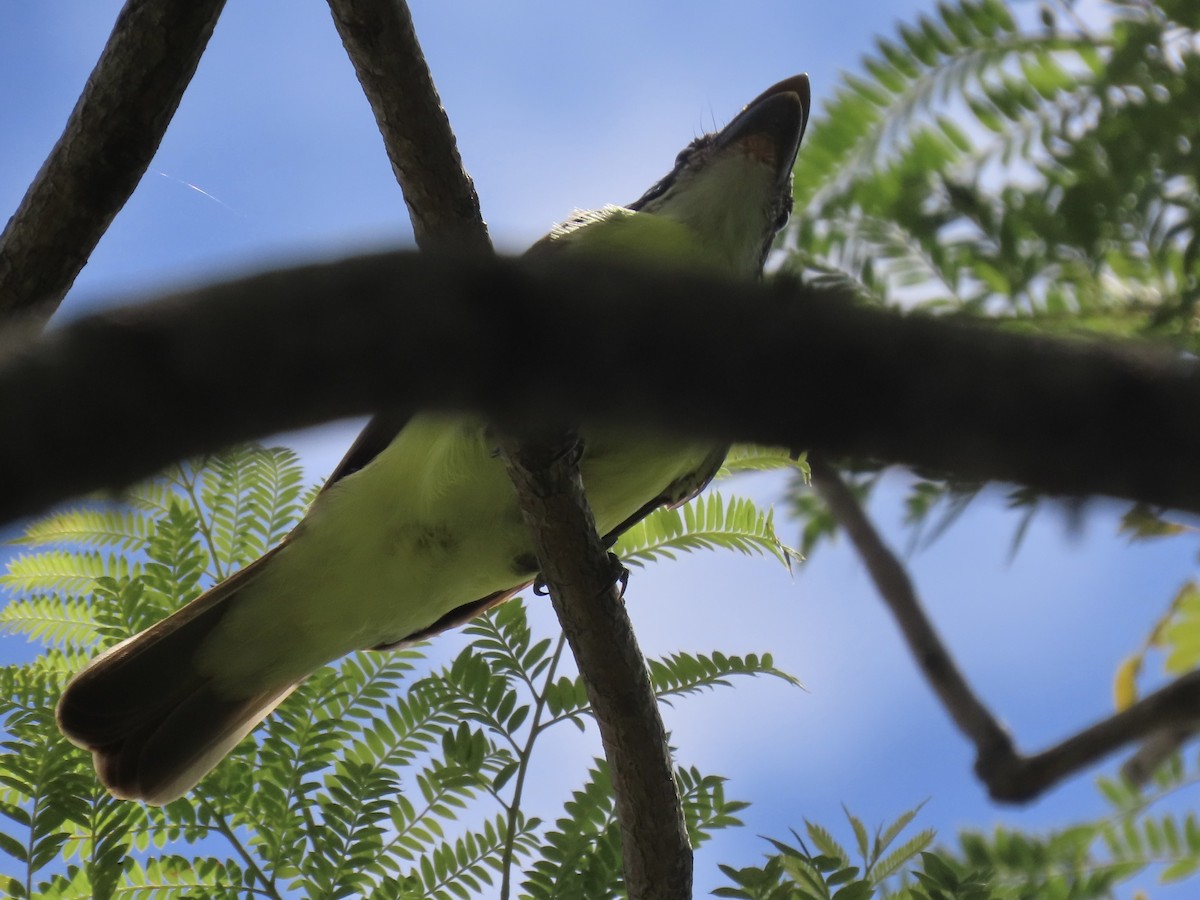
point(618, 571)
point(567, 447)
point(620, 574)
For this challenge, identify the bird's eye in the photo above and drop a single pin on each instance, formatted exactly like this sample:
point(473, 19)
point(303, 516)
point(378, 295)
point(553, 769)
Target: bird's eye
point(684, 155)
point(784, 214)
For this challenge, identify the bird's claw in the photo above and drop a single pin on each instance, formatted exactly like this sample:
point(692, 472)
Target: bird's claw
point(571, 450)
point(620, 574)
point(620, 577)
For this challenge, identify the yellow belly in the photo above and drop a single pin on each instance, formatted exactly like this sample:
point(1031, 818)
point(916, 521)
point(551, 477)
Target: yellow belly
point(430, 524)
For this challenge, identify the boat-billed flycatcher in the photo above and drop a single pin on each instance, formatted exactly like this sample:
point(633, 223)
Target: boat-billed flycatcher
point(418, 528)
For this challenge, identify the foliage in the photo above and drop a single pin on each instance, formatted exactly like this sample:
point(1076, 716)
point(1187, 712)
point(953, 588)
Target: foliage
point(796, 873)
point(1034, 170)
point(1061, 197)
point(1035, 202)
point(378, 776)
point(1040, 174)
point(1087, 860)
point(708, 522)
point(1176, 635)
point(1090, 858)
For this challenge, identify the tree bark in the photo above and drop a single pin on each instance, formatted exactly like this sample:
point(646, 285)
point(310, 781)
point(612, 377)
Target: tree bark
point(110, 138)
point(112, 398)
point(382, 43)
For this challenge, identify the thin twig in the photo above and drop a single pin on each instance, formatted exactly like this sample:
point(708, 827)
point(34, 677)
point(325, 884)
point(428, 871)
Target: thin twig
point(1009, 775)
point(514, 808)
point(109, 140)
point(188, 483)
point(896, 588)
point(229, 835)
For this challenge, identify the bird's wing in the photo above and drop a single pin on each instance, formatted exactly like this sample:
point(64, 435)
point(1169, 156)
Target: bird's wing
point(460, 615)
point(371, 441)
point(677, 493)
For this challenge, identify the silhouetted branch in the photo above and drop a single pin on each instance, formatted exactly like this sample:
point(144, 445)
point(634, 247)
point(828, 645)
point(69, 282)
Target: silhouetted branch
point(1009, 775)
point(1022, 778)
point(110, 138)
point(294, 347)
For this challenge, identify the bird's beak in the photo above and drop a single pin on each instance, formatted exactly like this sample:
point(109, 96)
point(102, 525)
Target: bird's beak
point(771, 125)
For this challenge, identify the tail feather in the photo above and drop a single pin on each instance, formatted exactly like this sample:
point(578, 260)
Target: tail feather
point(167, 757)
point(154, 723)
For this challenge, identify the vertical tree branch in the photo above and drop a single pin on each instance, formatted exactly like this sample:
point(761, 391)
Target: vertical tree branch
point(381, 41)
point(586, 593)
point(382, 44)
point(110, 138)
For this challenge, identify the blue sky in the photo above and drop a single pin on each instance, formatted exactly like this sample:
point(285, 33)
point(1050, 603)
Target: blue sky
point(274, 157)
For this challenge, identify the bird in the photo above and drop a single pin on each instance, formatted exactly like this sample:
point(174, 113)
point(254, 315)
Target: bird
point(417, 530)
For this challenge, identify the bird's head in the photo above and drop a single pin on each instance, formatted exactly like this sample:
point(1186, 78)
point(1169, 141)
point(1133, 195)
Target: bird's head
point(733, 188)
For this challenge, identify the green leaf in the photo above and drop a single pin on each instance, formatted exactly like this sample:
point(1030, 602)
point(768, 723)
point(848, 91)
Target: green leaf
point(683, 673)
point(707, 522)
point(98, 527)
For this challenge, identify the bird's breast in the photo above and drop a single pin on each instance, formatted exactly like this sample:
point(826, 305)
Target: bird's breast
point(430, 524)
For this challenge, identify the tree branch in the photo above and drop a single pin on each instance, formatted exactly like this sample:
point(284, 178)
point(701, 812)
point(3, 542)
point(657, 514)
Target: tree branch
point(382, 43)
point(895, 587)
point(110, 138)
point(1009, 775)
point(113, 398)
point(1022, 778)
point(1158, 747)
point(586, 594)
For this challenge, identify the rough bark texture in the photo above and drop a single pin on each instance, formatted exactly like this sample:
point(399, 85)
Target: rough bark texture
point(382, 44)
point(379, 37)
point(110, 138)
point(305, 345)
point(587, 596)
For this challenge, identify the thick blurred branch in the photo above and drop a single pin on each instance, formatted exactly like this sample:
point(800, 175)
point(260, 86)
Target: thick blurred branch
point(1008, 774)
point(294, 347)
point(110, 138)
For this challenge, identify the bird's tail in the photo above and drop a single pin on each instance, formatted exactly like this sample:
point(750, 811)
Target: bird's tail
point(154, 723)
